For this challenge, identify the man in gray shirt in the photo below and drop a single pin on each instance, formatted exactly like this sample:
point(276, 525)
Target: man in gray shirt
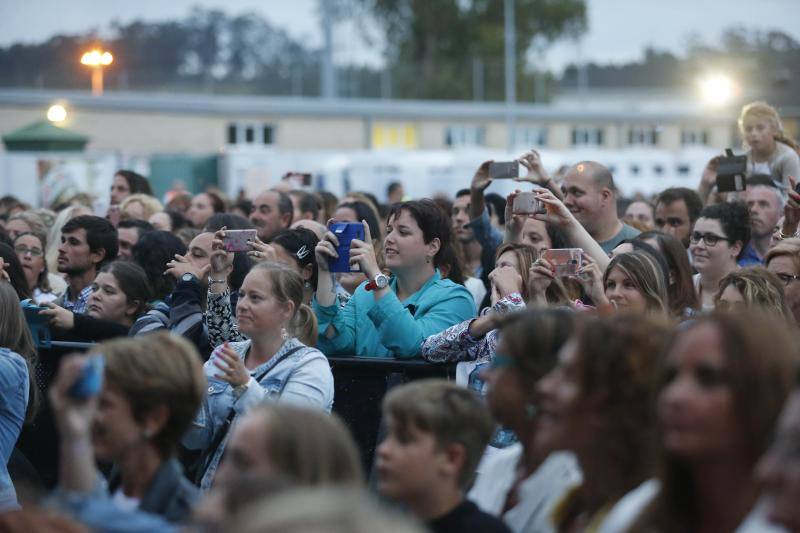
point(590, 195)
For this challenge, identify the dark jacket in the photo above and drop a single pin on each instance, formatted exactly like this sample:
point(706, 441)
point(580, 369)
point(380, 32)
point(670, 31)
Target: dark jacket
point(170, 495)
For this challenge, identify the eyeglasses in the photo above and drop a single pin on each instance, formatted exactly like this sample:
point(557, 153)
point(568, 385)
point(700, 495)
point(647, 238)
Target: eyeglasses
point(710, 239)
point(786, 279)
point(24, 250)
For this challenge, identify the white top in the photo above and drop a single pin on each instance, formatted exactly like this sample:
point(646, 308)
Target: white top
point(761, 167)
point(477, 289)
point(630, 506)
point(538, 494)
point(124, 502)
point(706, 308)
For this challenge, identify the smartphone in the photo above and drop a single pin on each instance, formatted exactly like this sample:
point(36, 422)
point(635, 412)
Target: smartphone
point(38, 324)
point(565, 261)
point(504, 170)
point(731, 172)
point(345, 232)
point(90, 381)
point(238, 240)
point(526, 203)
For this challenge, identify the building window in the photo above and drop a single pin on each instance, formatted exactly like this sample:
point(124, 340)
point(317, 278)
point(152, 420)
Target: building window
point(694, 137)
point(241, 133)
point(587, 136)
point(460, 136)
point(530, 136)
point(643, 136)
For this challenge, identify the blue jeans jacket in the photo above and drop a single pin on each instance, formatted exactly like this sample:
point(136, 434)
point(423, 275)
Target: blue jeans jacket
point(14, 391)
point(304, 378)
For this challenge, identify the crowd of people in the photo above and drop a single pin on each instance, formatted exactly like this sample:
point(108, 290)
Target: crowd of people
point(621, 364)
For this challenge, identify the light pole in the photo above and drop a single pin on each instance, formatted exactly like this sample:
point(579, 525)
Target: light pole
point(97, 59)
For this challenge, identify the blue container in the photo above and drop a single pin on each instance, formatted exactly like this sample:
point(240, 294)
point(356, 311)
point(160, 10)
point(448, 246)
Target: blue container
point(345, 232)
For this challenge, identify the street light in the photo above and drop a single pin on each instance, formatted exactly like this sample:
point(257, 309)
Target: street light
point(57, 113)
point(718, 89)
point(97, 59)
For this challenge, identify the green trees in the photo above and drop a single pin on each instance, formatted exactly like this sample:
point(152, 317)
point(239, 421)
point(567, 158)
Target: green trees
point(453, 49)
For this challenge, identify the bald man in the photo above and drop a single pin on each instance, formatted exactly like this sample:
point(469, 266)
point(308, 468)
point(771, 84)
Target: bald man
point(590, 195)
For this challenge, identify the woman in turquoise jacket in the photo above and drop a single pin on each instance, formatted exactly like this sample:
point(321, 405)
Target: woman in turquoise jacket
point(391, 316)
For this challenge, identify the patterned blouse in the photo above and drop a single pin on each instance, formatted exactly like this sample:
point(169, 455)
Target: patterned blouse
point(220, 321)
point(455, 344)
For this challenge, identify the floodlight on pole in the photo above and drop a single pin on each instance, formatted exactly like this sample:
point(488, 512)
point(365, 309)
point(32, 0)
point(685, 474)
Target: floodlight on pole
point(718, 89)
point(96, 60)
point(57, 113)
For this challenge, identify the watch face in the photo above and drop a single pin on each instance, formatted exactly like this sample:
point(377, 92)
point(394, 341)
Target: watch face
point(187, 277)
point(381, 280)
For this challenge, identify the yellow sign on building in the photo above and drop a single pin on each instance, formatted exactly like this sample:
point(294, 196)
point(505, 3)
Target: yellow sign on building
point(394, 136)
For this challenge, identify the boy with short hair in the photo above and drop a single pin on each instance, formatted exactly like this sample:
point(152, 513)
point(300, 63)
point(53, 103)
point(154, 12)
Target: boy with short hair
point(437, 432)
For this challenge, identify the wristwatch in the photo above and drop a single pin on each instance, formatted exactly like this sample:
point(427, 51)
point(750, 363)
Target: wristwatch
point(380, 281)
point(190, 277)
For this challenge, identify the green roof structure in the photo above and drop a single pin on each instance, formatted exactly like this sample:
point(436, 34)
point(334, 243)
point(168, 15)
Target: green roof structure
point(43, 136)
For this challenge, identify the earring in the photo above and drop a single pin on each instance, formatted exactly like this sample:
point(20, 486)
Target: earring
point(284, 334)
point(307, 284)
point(428, 260)
point(530, 411)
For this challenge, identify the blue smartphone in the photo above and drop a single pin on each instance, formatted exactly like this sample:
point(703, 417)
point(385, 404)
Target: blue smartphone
point(90, 381)
point(38, 324)
point(345, 232)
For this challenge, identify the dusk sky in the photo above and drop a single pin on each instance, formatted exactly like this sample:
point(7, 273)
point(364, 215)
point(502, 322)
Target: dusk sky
point(618, 29)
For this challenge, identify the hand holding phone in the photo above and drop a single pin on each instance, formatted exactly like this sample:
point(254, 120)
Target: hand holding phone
point(90, 380)
point(238, 240)
point(345, 232)
point(731, 172)
point(565, 261)
point(527, 203)
point(504, 170)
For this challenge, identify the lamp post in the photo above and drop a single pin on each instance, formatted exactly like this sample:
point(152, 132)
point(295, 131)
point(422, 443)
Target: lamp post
point(97, 59)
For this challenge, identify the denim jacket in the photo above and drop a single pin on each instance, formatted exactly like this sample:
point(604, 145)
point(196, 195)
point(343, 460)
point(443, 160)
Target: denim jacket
point(389, 327)
point(304, 378)
point(14, 391)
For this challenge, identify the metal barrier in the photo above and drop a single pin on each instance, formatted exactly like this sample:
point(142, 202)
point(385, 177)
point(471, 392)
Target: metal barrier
point(360, 383)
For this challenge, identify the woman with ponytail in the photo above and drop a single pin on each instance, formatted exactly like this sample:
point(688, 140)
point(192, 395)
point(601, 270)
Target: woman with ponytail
point(271, 365)
point(769, 150)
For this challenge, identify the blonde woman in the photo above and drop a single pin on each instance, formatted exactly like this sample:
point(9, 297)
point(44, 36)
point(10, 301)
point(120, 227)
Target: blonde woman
point(754, 287)
point(784, 261)
point(139, 206)
point(769, 150)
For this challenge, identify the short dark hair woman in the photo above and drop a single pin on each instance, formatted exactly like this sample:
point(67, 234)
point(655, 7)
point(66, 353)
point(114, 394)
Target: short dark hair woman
point(392, 315)
point(151, 390)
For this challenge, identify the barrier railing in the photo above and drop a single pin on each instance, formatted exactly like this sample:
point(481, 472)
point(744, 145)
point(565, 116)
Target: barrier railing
point(360, 383)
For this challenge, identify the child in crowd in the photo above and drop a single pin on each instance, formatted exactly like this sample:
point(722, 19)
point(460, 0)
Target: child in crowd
point(437, 432)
